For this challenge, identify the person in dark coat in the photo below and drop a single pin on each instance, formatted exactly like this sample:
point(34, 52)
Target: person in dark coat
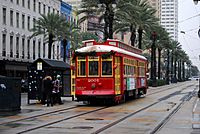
point(57, 85)
point(48, 87)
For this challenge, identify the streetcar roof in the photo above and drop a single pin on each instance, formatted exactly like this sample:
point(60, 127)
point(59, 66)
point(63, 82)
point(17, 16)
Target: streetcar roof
point(105, 48)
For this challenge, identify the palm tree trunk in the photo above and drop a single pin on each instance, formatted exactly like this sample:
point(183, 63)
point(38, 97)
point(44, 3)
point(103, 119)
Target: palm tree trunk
point(50, 45)
point(106, 19)
point(133, 35)
point(179, 70)
point(153, 63)
point(140, 32)
point(111, 17)
point(64, 51)
point(172, 68)
point(167, 71)
point(175, 66)
point(183, 70)
point(152, 66)
point(159, 61)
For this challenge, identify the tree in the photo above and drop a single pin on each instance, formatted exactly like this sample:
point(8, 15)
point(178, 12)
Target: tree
point(162, 43)
point(132, 15)
point(146, 20)
point(66, 33)
point(105, 12)
point(48, 25)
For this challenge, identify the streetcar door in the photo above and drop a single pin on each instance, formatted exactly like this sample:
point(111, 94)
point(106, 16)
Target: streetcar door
point(117, 76)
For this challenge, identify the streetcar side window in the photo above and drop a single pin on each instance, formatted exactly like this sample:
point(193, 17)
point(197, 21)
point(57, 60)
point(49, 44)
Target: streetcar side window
point(93, 66)
point(141, 69)
point(81, 66)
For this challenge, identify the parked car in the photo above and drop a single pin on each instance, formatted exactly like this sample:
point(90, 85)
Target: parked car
point(194, 78)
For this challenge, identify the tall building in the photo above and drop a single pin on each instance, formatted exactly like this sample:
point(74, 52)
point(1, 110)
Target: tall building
point(169, 17)
point(17, 49)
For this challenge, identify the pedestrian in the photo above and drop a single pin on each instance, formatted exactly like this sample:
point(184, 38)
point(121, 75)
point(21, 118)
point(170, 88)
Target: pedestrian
point(57, 86)
point(48, 87)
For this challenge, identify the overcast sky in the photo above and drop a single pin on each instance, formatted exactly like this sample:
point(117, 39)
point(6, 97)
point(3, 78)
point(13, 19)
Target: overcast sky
point(189, 22)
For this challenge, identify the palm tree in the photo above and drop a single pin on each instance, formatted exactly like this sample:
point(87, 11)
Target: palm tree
point(66, 33)
point(175, 47)
point(105, 12)
point(48, 25)
point(162, 43)
point(146, 20)
point(125, 19)
point(132, 15)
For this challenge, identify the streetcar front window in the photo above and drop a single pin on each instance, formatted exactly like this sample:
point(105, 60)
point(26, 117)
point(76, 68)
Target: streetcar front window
point(93, 67)
point(106, 67)
point(81, 66)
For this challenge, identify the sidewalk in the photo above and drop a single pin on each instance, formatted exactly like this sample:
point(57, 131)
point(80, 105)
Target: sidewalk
point(34, 108)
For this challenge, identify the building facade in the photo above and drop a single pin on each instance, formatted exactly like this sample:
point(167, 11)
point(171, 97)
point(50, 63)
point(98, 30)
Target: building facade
point(17, 49)
point(169, 17)
point(66, 11)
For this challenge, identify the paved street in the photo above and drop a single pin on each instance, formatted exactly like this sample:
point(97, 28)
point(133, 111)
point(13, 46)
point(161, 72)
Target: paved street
point(180, 122)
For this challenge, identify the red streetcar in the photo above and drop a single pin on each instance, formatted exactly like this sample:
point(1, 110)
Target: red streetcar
point(110, 71)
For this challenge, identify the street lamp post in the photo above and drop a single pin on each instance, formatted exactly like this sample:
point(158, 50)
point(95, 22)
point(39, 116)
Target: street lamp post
point(108, 18)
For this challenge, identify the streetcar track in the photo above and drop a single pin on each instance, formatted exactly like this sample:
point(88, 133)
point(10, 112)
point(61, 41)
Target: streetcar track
point(38, 115)
point(64, 119)
point(142, 109)
point(77, 115)
point(166, 119)
point(166, 90)
point(65, 109)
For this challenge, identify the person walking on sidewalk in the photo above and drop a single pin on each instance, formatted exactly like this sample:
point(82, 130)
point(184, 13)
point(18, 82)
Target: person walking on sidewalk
point(48, 87)
point(57, 86)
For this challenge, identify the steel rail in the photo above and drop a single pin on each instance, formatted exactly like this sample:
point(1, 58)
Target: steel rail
point(131, 114)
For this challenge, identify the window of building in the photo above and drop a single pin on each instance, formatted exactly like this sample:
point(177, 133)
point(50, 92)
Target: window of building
point(23, 49)
point(23, 21)
point(28, 4)
point(23, 3)
point(34, 49)
point(39, 48)
point(4, 45)
point(53, 51)
point(39, 7)
point(11, 18)
point(11, 46)
point(34, 5)
point(17, 20)
point(57, 52)
point(17, 2)
point(44, 50)
point(4, 16)
point(44, 9)
point(28, 23)
point(49, 9)
point(34, 20)
point(17, 47)
point(11, 1)
point(53, 10)
point(28, 48)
